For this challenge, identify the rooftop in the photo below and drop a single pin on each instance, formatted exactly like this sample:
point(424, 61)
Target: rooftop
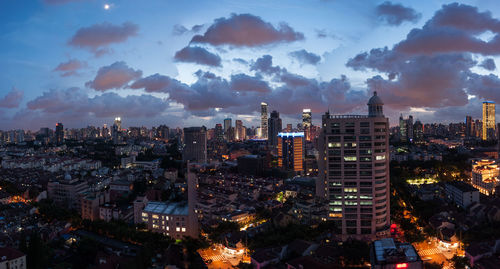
point(462, 186)
point(387, 251)
point(174, 208)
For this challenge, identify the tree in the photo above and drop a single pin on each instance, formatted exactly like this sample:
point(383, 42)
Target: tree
point(460, 262)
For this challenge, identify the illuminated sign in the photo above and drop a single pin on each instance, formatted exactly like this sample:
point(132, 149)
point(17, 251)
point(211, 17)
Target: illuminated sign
point(401, 265)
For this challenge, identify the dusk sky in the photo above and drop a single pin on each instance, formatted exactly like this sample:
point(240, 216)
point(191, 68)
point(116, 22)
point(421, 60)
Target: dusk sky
point(188, 63)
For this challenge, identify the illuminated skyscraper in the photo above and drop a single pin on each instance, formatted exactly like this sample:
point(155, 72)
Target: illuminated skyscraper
point(306, 123)
point(488, 120)
point(59, 133)
point(291, 151)
point(239, 131)
point(118, 123)
point(263, 120)
point(274, 127)
point(353, 168)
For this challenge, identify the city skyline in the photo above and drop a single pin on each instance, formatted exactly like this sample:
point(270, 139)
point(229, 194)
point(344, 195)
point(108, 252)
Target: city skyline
point(188, 69)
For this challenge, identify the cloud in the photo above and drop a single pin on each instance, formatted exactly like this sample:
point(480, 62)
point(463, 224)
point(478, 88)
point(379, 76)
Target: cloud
point(264, 64)
point(98, 37)
point(179, 29)
point(12, 99)
point(396, 14)
point(245, 83)
point(431, 68)
point(246, 30)
point(305, 57)
point(70, 67)
point(157, 83)
point(76, 102)
point(454, 28)
point(197, 55)
point(112, 76)
point(488, 64)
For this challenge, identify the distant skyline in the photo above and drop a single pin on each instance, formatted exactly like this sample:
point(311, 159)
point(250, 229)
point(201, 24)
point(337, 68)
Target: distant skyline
point(193, 63)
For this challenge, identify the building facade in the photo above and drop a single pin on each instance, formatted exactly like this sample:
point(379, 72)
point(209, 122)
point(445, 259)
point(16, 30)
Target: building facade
point(461, 193)
point(291, 151)
point(66, 192)
point(307, 123)
point(263, 120)
point(488, 120)
point(59, 133)
point(485, 176)
point(195, 148)
point(354, 171)
point(274, 127)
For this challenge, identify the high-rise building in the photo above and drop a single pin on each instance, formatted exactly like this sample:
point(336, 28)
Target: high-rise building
point(59, 133)
point(403, 130)
point(488, 120)
point(239, 130)
point(353, 168)
point(289, 128)
point(409, 128)
point(219, 132)
point(306, 123)
point(263, 120)
point(227, 127)
point(118, 123)
point(195, 148)
point(469, 126)
point(418, 131)
point(274, 127)
point(291, 151)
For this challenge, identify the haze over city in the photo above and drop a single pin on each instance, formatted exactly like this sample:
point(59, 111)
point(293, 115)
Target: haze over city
point(185, 63)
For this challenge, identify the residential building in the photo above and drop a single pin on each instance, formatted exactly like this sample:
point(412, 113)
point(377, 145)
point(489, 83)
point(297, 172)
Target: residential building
point(195, 140)
point(11, 258)
point(353, 168)
point(461, 193)
point(307, 123)
point(59, 133)
point(66, 191)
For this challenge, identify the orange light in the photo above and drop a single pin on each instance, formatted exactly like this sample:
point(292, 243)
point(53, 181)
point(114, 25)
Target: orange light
point(402, 265)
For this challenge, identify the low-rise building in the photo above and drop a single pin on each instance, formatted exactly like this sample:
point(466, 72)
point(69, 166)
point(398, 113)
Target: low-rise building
point(388, 254)
point(169, 218)
point(12, 259)
point(461, 193)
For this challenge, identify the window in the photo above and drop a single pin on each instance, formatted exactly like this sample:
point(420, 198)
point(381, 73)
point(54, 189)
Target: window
point(349, 131)
point(350, 152)
point(380, 194)
point(349, 145)
point(365, 166)
point(380, 157)
point(366, 223)
point(365, 173)
point(334, 145)
point(351, 203)
point(349, 138)
point(351, 210)
point(334, 139)
point(183, 229)
point(365, 151)
point(350, 166)
point(336, 183)
point(350, 184)
point(177, 229)
point(364, 124)
point(365, 184)
point(365, 190)
point(365, 197)
point(365, 159)
point(350, 158)
point(365, 138)
point(365, 145)
point(365, 202)
point(350, 223)
point(350, 190)
point(349, 124)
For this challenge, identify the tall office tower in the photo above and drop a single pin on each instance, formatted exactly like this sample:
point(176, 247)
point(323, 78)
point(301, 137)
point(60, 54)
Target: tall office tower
point(263, 120)
point(195, 148)
point(478, 128)
point(239, 129)
point(291, 151)
point(403, 130)
point(59, 133)
point(115, 134)
point(274, 127)
point(353, 168)
point(118, 123)
point(488, 120)
point(469, 126)
point(409, 128)
point(227, 126)
point(306, 123)
point(219, 132)
point(163, 132)
point(289, 128)
point(418, 131)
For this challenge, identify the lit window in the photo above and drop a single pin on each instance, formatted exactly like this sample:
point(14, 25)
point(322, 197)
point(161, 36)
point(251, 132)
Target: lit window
point(350, 190)
point(350, 158)
point(177, 229)
point(155, 216)
point(168, 228)
point(144, 214)
point(183, 229)
point(379, 158)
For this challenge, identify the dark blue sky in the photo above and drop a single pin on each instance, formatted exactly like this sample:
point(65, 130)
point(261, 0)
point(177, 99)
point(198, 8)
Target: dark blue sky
point(180, 63)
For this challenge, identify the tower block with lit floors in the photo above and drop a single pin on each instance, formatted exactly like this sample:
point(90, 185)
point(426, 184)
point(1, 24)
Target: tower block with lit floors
point(354, 171)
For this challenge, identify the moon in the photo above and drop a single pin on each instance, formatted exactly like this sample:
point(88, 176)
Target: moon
point(107, 6)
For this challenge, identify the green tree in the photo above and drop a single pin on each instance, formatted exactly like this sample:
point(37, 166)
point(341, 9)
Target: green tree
point(460, 262)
